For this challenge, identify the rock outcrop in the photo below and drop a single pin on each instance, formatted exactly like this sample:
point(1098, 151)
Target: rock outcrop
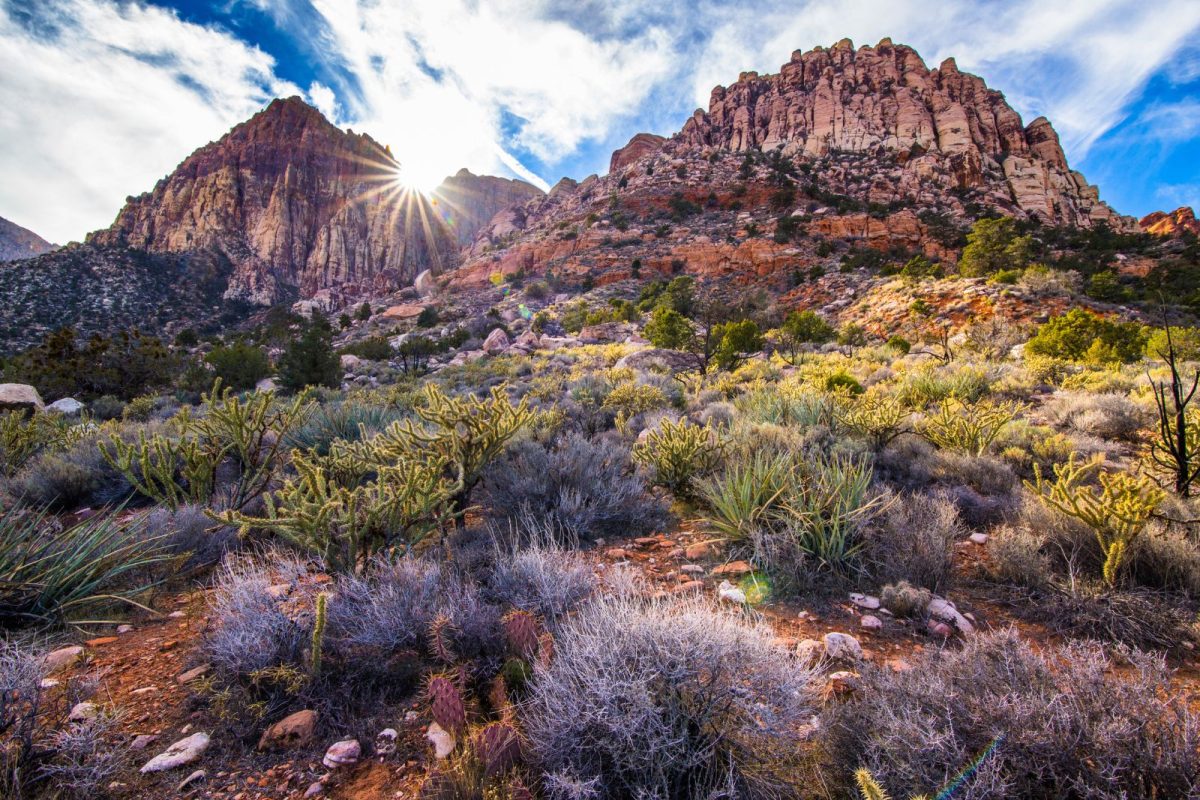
point(299, 206)
point(17, 243)
point(640, 145)
point(939, 124)
point(1161, 223)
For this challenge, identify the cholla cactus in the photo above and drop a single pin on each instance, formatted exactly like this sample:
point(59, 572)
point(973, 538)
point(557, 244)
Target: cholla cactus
point(318, 634)
point(446, 703)
point(870, 789)
point(521, 630)
point(498, 746)
point(1116, 510)
point(441, 639)
point(678, 453)
point(874, 415)
point(969, 427)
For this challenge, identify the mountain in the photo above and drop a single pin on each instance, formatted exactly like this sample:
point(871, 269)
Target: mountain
point(298, 205)
point(1161, 223)
point(17, 242)
point(842, 149)
point(286, 206)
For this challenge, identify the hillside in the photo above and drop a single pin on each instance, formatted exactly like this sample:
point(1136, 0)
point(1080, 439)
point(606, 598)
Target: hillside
point(17, 242)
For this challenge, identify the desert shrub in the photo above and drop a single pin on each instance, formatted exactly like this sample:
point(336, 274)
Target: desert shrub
point(1164, 558)
point(52, 572)
point(913, 541)
point(549, 583)
point(785, 404)
point(250, 631)
point(1080, 335)
point(581, 488)
point(1015, 556)
point(677, 454)
point(1134, 618)
point(83, 757)
point(924, 387)
point(875, 416)
point(995, 245)
point(720, 414)
point(1110, 416)
point(1071, 727)
point(1023, 444)
point(629, 399)
point(373, 348)
point(310, 360)
point(70, 478)
point(189, 535)
point(668, 701)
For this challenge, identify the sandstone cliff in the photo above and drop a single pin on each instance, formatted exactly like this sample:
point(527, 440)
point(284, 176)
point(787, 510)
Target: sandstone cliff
point(17, 243)
point(1164, 224)
point(299, 206)
point(941, 124)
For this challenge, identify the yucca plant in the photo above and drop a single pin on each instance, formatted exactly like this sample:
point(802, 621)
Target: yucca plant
point(49, 575)
point(829, 501)
point(743, 498)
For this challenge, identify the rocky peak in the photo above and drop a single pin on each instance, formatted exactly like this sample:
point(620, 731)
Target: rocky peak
point(299, 206)
point(17, 243)
point(944, 124)
point(640, 145)
point(1164, 224)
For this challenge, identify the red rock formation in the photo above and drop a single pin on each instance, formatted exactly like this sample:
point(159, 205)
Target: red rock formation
point(300, 206)
point(17, 243)
point(1163, 224)
point(884, 99)
point(640, 145)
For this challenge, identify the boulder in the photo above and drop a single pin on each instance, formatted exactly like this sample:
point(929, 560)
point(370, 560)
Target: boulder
point(185, 751)
point(496, 342)
point(425, 284)
point(659, 360)
point(20, 397)
point(350, 362)
point(67, 406)
point(842, 646)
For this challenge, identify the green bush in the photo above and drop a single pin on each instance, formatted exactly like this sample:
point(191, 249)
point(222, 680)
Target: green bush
point(677, 454)
point(310, 360)
point(373, 348)
point(1080, 335)
point(240, 365)
point(993, 245)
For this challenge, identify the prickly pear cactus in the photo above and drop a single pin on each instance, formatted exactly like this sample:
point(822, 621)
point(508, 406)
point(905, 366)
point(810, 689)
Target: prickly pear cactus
point(499, 748)
point(441, 639)
point(521, 630)
point(446, 703)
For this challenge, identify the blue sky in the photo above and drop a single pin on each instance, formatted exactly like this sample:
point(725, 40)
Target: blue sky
point(101, 98)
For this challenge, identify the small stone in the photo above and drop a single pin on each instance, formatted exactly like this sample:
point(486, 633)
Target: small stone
point(943, 610)
point(870, 622)
point(315, 788)
point(842, 646)
point(142, 741)
point(185, 751)
point(192, 674)
point(101, 641)
point(733, 569)
point(842, 682)
point(81, 712)
point(730, 593)
point(809, 650)
point(385, 741)
point(692, 569)
point(62, 657)
point(195, 777)
point(294, 730)
point(616, 552)
point(979, 538)
point(441, 739)
point(864, 601)
point(176, 615)
point(938, 628)
point(342, 754)
point(688, 586)
point(124, 629)
point(694, 552)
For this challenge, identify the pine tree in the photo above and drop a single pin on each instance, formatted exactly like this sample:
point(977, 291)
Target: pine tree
point(311, 360)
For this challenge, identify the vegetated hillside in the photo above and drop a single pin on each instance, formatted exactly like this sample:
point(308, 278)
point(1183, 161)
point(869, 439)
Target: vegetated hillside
point(17, 242)
point(752, 504)
point(99, 289)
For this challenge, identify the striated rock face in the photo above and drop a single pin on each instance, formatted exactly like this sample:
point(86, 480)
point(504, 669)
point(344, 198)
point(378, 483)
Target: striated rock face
point(465, 202)
point(940, 124)
point(17, 242)
point(299, 206)
point(640, 145)
point(1164, 224)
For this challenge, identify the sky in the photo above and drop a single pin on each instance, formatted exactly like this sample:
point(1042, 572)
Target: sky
point(99, 99)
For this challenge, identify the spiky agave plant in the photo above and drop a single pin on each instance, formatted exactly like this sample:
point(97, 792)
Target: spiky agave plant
point(64, 575)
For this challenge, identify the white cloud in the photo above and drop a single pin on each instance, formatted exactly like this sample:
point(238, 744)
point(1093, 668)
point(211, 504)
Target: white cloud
point(1179, 194)
point(108, 103)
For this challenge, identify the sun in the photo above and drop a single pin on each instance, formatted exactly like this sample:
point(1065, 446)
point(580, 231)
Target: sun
point(419, 175)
